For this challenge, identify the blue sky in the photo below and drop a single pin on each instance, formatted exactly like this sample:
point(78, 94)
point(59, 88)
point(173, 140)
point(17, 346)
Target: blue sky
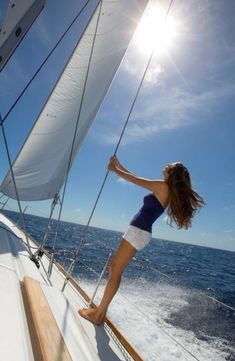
point(185, 111)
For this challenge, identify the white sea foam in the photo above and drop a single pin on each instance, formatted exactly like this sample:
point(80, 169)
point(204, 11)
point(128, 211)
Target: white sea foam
point(141, 310)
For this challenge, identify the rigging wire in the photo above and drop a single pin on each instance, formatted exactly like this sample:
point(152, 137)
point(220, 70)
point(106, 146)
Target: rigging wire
point(138, 90)
point(75, 134)
point(2, 120)
point(71, 266)
point(43, 63)
point(15, 188)
point(15, 235)
point(40, 251)
point(3, 203)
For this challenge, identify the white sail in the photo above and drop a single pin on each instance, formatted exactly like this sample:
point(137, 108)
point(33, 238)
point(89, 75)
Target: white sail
point(41, 166)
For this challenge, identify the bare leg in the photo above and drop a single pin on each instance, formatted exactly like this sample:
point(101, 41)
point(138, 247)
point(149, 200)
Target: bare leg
point(119, 261)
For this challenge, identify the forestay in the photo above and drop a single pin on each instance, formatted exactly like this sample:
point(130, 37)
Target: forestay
point(41, 166)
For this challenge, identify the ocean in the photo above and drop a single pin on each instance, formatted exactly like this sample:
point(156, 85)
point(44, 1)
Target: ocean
point(167, 305)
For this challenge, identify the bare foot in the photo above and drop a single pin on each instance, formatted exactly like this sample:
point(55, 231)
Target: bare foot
point(92, 315)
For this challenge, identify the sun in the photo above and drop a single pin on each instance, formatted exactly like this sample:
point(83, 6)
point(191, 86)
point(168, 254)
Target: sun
point(155, 32)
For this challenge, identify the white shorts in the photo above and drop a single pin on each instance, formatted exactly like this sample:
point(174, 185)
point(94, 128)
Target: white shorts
point(137, 237)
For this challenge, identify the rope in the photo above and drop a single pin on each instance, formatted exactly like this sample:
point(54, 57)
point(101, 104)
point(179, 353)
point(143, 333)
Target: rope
point(43, 63)
point(75, 134)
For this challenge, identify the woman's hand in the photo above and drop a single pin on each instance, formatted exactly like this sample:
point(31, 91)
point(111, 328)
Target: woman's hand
point(113, 163)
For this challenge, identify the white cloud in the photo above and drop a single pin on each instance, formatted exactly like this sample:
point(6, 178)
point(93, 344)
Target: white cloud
point(229, 234)
point(184, 90)
point(229, 207)
point(181, 91)
point(169, 110)
point(230, 237)
point(153, 75)
point(136, 70)
point(123, 181)
point(205, 235)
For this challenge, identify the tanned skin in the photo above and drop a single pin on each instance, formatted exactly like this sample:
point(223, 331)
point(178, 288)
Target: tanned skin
point(125, 251)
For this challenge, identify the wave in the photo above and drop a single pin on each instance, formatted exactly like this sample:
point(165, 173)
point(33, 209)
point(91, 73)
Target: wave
point(170, 323)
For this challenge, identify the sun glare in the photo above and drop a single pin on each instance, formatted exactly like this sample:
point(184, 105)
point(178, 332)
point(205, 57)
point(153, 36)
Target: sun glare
point(155, 32)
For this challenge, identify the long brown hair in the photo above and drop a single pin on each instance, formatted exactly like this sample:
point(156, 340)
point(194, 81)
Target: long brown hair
point(183, 200)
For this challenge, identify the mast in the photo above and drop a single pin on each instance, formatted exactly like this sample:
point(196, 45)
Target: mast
point(18, 19)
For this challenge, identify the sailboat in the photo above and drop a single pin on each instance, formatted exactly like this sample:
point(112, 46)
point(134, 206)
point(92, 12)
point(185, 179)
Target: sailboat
point(39, 298)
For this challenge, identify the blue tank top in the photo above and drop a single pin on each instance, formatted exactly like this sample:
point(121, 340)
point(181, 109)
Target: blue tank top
point(147, 215)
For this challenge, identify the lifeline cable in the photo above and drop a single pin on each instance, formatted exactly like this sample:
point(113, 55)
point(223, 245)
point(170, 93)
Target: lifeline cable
point(155, 323)
point(173, 280)
point(146, 316)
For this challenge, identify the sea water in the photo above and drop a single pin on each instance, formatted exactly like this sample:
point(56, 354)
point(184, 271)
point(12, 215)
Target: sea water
point(166, 305)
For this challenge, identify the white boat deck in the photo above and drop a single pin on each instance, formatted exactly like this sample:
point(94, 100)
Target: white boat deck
point(84, 340)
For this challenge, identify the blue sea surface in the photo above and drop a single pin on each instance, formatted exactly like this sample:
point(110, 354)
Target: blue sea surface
point(204, 274)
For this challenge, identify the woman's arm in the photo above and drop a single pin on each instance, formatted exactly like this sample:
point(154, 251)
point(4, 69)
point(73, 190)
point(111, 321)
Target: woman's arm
point(120, 166)
point(116, 167)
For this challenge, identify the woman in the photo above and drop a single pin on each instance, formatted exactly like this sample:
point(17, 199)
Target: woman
point(175, 193)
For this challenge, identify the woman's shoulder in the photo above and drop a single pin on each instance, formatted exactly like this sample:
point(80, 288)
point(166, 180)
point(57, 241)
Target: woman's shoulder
point(161, 192)
point(161, 184)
